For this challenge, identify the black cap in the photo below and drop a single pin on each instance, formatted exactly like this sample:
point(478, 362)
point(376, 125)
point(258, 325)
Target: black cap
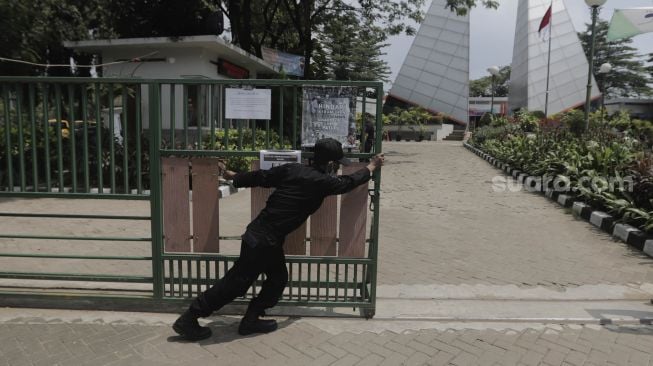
point(329, 149)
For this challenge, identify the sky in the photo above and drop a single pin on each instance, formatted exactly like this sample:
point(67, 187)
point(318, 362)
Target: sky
point(494, 47)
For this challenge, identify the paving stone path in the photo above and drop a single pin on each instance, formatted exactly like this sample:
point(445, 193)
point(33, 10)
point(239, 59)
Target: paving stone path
point(445, 234)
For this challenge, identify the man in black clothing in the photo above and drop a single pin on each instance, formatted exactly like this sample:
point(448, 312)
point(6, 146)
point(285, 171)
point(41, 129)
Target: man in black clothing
point(369, 135)
point(299, 192)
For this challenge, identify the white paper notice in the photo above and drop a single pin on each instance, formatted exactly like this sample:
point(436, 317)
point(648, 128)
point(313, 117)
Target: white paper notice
point(248, 104)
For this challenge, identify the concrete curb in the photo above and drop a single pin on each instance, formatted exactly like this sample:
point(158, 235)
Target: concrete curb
point(624, 232)
point(582, 210)
point(602, 220)
point(565, 200)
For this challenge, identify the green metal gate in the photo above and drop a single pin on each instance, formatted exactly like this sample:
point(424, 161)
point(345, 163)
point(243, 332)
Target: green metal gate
point(73, 148)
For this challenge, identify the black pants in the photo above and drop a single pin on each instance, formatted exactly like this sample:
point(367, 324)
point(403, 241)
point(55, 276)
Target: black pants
point(368, 145)
point(251, 263)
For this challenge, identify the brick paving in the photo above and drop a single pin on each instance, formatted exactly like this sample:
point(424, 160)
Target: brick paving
point(441, 225)
point(300, 343)
point(441, 222)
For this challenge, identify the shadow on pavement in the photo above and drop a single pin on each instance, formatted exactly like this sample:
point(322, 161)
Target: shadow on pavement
point(225, 331)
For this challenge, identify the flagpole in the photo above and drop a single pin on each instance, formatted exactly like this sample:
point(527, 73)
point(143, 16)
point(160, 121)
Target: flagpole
point(548, 66)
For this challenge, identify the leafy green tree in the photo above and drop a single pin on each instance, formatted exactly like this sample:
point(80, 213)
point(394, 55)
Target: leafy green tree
point(628, 77)
point(155, 18)
point(307, 16)
point(34, 31)
point(482, 87)
point(462, 7)
point(351, 51)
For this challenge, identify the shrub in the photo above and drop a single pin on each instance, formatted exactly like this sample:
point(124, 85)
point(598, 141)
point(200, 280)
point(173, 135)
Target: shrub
point(592, 157)
point(620, 121)
point(485, 120)
point(499, 121)
point(244, 141)
point(574, 121)
point(528, 122)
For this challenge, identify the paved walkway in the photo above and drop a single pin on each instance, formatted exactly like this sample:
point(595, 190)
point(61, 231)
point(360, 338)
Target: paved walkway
point(467, 276)
point(443, 223)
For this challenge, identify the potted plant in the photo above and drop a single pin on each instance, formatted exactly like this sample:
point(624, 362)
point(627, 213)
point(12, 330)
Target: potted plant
point(422, 132)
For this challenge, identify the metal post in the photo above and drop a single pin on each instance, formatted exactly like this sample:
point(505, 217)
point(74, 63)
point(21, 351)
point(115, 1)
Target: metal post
point(595, 13)
point(492, 100)
point(602, 106)
point(154, 100)
point(548, 70)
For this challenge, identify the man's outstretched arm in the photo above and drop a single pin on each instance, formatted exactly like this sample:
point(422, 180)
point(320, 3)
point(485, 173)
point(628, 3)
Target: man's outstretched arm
point(257, 178)
point(345, 183)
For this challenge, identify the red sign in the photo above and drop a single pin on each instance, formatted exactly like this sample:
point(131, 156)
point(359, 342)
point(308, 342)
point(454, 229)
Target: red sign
point(232, 70)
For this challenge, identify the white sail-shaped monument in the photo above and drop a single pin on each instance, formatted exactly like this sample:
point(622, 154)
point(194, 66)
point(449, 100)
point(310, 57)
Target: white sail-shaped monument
point(568, 72)
point(435, 73)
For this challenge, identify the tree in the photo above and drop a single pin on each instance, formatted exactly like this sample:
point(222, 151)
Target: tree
point(628, 77)
point(34, 32)
point(482, 87)
point(308, 15)
point(351, 51)
point(296, 26)
point(462, 7)
point(155, 18)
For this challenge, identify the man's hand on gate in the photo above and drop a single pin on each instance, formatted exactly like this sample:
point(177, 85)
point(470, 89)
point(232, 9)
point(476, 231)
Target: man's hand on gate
point(229, 175)
point(377, 161)
point(221, 167)
point(223, 172)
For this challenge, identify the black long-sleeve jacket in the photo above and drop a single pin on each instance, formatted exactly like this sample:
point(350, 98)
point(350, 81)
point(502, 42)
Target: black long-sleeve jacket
point(299, 191)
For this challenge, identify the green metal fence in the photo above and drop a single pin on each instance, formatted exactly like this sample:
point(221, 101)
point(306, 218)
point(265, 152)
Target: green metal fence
point(68, 140)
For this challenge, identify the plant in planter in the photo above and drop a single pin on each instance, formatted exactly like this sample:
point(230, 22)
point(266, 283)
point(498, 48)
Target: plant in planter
point(486, 120)
point(574, 121)
point(397, 118)
point(422, 133)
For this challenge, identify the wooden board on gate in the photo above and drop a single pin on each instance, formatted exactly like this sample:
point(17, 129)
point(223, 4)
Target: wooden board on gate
point(206, 205)
point(176, 206)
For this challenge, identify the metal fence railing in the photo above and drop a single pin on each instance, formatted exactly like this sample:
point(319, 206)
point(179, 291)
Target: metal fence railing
point(87, 153)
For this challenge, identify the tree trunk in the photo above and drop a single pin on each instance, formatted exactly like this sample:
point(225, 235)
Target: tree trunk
point(307, 37)
point(246, 28)
point(240, 16)
point(234, 19)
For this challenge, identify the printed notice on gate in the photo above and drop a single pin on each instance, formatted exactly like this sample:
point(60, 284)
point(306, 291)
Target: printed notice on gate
point(248, 104)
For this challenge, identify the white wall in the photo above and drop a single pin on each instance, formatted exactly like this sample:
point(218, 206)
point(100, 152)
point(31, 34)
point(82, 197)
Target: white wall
point(192, 63)
point(181, 63)
point(444, 131)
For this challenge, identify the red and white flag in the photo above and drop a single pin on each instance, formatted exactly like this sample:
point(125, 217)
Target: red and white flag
point(545, 24)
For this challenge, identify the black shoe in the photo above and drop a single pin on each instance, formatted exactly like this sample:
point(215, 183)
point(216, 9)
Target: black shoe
point(189, 328)
point(257, 326)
